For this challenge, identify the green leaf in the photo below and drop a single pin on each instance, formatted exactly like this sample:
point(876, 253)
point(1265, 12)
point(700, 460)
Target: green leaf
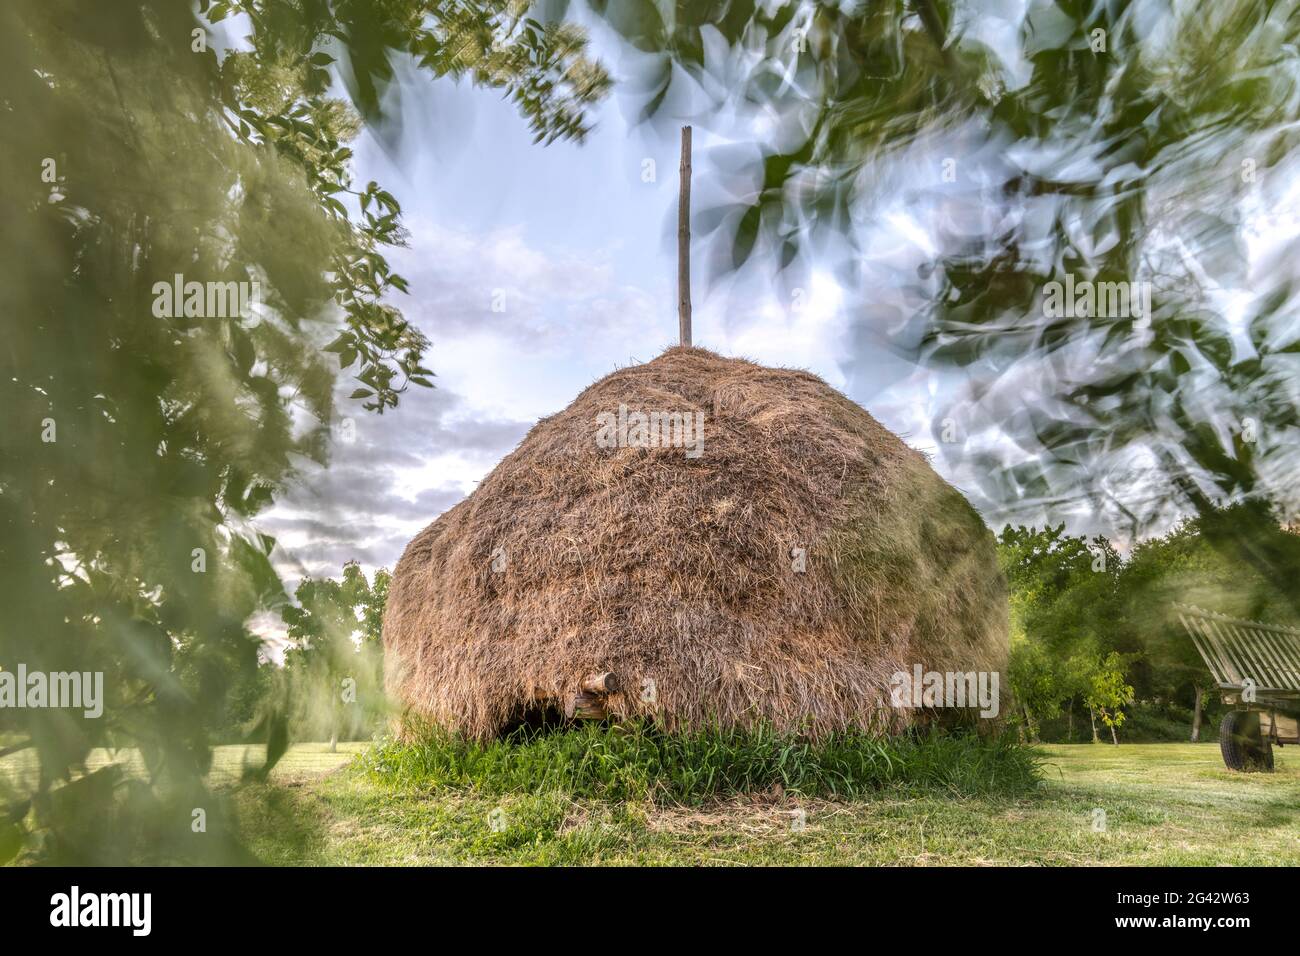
point(746, 235)
point(11, 841)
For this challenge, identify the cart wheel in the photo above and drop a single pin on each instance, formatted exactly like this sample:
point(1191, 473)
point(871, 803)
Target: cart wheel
point(1243, 746)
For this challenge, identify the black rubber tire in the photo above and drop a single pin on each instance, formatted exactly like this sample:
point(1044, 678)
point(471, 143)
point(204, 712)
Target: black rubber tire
point(1241, 743)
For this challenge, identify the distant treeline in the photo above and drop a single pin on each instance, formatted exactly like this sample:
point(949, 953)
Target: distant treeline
point(1095, 639)
point(331, 686)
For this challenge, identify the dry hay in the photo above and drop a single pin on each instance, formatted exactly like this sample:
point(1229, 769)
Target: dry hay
point(653, 565)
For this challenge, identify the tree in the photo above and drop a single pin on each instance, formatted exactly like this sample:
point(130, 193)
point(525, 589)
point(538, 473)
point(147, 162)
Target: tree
point(1074, 600)
point(336, 665)
point(1076, 681)
point(1064, 588)
point(1036, 685)
point(1063, 606)
point(145, 431)
point(1107, 694)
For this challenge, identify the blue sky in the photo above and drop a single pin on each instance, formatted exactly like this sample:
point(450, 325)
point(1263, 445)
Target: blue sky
point(580, 250)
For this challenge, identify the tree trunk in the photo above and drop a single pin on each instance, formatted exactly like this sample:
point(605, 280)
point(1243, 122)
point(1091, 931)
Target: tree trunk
point(1029, 724)
point(1092, 716)
point(1112, 735)
point(1069, 720)
point(334, 740)
point(1196, 715)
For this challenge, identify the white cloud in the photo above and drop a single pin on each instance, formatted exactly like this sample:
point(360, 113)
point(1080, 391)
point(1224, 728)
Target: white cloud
point(567, 320)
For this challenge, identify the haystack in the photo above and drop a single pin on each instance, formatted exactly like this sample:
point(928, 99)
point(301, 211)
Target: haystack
point(781, 575)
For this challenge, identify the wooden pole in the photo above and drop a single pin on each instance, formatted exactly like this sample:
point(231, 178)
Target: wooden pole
point(684, 242)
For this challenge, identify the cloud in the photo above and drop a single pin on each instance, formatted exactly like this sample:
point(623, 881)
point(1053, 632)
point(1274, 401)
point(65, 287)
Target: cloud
point(498, 372)
point(398, 473)
point(499, 285)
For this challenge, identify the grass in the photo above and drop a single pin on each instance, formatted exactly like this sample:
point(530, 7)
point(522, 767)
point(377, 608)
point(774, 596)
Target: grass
point(22, 771)
point(633, 762)
point(1164, 804)
point(1168, 804)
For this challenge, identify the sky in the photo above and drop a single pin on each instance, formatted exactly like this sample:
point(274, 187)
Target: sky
point(536, 270)
point(576, 246)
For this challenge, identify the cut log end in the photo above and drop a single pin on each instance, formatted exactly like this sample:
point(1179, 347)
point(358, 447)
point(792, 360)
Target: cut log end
point(605, 683)
point(590, 701)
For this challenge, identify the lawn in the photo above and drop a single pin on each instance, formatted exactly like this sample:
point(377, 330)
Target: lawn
point(1162, 803)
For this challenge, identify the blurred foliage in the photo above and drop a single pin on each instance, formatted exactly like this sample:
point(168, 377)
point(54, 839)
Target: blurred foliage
point(1086, 622)
point(335, 668)
point(138, 448)
point(1110, 140)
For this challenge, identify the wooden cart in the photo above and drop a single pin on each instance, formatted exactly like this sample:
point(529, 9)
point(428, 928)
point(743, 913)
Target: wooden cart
point(1257, 670)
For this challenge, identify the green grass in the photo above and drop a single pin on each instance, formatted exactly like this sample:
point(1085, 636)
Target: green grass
point(633, 762)
point(229, 763)
point(1167, 804)
point(1171, 804)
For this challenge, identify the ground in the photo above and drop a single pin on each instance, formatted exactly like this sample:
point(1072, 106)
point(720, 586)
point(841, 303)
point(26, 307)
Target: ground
point(1171, 804)
point(1136, 804)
